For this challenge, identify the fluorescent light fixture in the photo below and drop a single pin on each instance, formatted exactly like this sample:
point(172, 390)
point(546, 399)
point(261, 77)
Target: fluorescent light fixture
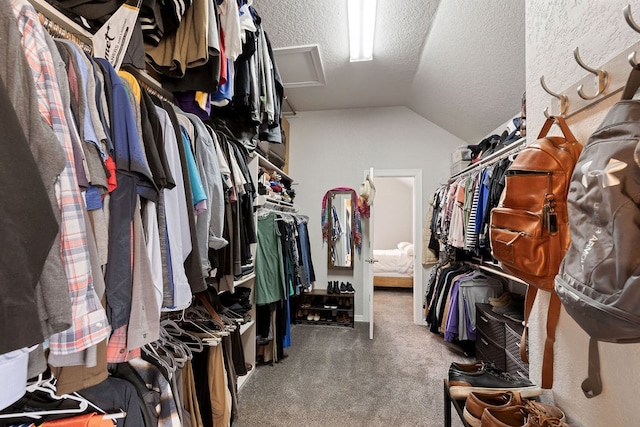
point(362, 24)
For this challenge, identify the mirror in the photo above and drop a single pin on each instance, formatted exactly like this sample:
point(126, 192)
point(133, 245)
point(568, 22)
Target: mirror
point(340, 247)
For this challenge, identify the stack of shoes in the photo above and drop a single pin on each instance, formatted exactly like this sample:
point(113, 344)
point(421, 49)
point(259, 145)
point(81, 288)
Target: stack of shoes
point(506, 409)
point(501, 300)
point(509, 305)
point(485, 377)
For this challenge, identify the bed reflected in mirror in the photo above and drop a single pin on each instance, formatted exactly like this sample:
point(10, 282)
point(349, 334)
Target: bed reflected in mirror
point(340, 255)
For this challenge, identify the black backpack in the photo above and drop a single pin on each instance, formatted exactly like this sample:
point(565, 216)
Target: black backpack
point(599, 278)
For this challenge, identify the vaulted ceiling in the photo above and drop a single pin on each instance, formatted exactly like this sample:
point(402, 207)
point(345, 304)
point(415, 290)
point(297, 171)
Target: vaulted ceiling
point(458, 63)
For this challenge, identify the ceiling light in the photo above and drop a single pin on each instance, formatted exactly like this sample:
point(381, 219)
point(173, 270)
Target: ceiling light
point(362, 23)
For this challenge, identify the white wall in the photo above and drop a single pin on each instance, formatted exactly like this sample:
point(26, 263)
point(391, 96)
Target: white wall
point(553, 29)
point(393, 219)
point(333, 148)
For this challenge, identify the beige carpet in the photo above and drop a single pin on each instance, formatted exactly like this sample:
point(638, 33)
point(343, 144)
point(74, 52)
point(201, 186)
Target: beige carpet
point(336, 376)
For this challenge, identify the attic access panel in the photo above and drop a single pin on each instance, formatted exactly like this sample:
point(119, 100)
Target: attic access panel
point(300, 66)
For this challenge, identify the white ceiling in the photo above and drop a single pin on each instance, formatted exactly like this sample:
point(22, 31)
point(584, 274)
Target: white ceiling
point(458, 63)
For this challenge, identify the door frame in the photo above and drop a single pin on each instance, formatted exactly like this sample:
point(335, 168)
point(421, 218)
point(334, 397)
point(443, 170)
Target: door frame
point(416, 174)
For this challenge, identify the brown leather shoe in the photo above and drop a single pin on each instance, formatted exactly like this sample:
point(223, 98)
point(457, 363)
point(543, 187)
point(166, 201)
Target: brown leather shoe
point(510, 416)
point(530, 414)
point(477, 402)
point(542, 414)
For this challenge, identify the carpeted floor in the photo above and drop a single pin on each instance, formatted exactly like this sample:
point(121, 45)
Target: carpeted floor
point(336, 376)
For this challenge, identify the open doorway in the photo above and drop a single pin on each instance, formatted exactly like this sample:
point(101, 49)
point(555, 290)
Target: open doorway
point(397, 274)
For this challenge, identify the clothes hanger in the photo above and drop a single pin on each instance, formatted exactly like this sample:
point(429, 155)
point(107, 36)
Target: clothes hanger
point(210, 338)
point(83, 403)
point(151, 351)
point(173, 329)
point(196, 319)
point(179, 350)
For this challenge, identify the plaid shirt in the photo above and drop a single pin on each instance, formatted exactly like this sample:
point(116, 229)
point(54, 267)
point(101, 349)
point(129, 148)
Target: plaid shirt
point(117, 351)
point(90, 325)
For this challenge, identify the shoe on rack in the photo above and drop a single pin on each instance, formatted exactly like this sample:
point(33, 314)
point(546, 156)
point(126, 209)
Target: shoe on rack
point(330, 288)
point(350, 289)
point(530, 414)
point(343, 288)
point(477, 402)
point(485, 377)
point(511, 306)
point(543, 414)
point(501, 300)
point(310, 316)
point(316, 316)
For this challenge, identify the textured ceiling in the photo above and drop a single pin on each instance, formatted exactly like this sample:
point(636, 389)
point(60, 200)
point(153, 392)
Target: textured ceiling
point(472, 72)
point(458, 63)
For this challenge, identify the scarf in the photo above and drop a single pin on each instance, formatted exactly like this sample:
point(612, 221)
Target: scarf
point(357, 225)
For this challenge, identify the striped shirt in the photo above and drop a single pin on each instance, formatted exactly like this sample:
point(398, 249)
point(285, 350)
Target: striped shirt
point(90, 324)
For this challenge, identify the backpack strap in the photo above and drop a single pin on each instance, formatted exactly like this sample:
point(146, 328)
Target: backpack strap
point(528, 304)
point(553, 315)
point(568, 135)
point(633, 83)
point(592, 386)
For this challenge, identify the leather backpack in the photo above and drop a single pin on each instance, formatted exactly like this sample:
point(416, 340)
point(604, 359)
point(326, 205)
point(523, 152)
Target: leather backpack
point(529, 229)
point(599, 278)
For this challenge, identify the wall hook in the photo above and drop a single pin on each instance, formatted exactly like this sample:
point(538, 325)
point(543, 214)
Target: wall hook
point(632, 59)
point(564, 101)
point(602, 82)
point(629, 18)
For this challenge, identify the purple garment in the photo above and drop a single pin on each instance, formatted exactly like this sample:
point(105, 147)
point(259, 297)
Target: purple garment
point(451, 325)
point(187, 102)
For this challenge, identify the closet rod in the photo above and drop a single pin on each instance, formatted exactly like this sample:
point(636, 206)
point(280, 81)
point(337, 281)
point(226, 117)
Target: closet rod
point(150, 84)
point(57, 31)
point(74, 30)
point(57, 17)
point(495, 269)
point(278, 207)
point(293, 112)
point(514, 147)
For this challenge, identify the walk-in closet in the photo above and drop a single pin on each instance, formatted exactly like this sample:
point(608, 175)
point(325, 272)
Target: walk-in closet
point(249, 213)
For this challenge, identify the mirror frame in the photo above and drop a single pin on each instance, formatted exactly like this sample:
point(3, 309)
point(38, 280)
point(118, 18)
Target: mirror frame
point(330, 202)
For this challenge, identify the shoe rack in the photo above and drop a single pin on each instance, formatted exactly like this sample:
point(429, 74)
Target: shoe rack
point(317, 307)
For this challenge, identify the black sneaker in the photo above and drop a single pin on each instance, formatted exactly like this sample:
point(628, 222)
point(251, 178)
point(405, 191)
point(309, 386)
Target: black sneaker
point(484, 377)
point(343, 288)
point(350, 289)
